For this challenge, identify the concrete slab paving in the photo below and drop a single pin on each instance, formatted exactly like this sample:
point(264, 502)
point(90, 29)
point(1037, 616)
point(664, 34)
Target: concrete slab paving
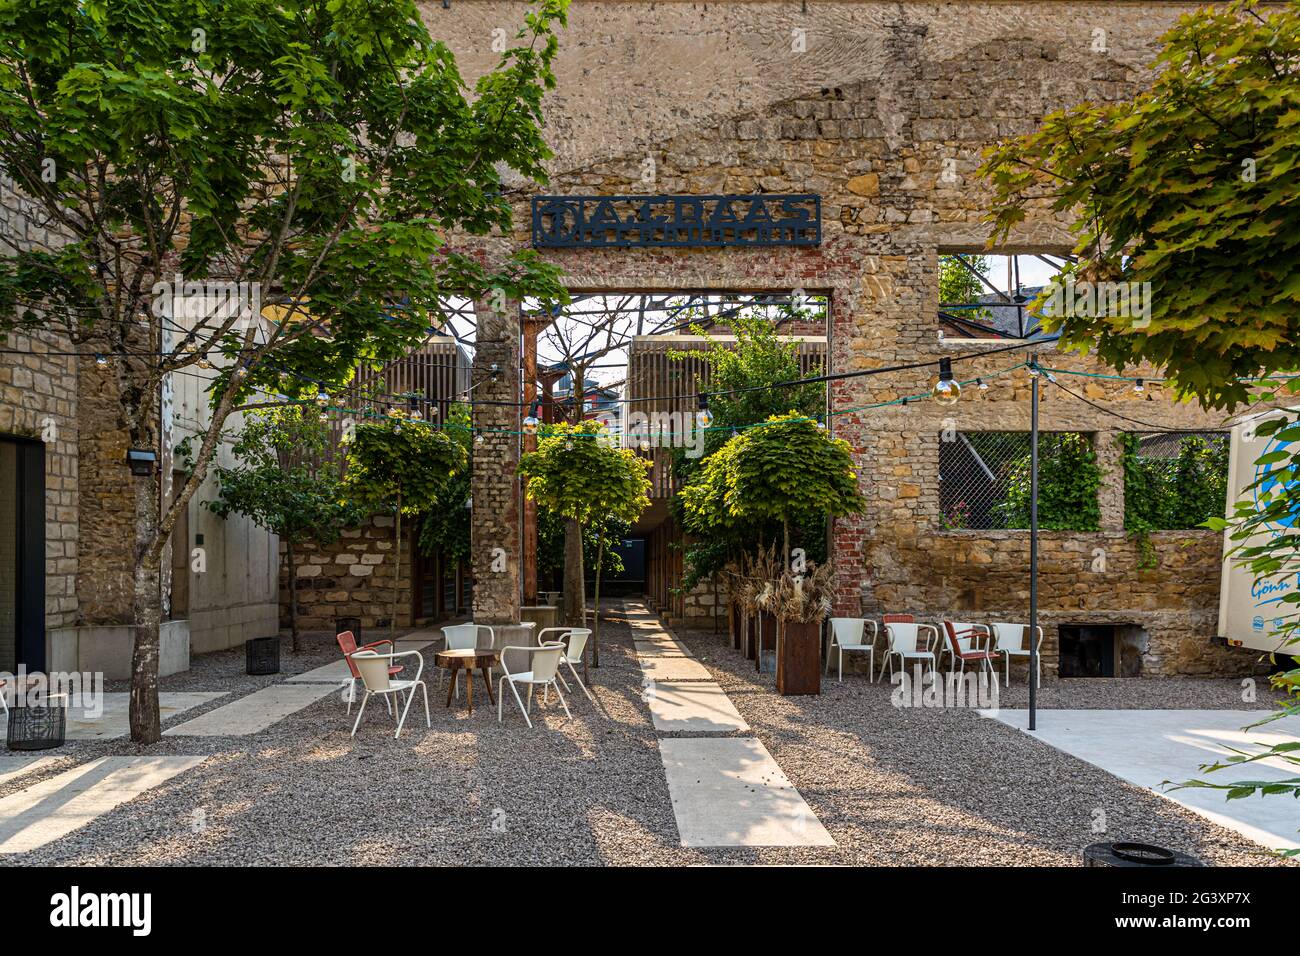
point(15, 765)
point(730, 792)
point(1148, 747)
point(54, 808)
point(674, 669)
point(111, 717)
point(701, 707)
point(254, 713)
point(336, 672)
point(660, 649)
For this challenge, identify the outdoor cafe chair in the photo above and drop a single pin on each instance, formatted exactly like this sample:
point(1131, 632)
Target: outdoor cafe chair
point(905, 643)
point(544, 666)
point(964, 645)
point(348, 645)
point(377, 679)
point(464, 637)
point(846, 635)
point(577, 645)
point(1009, 641)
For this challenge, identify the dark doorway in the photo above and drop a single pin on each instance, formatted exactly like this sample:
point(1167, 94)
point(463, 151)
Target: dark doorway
point(22, 554)
point(1087, 650)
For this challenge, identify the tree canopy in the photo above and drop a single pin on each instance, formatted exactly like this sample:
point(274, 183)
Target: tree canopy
point(1192, 186)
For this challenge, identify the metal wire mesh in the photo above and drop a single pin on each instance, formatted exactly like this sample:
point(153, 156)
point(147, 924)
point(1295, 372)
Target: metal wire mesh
point(984, 477)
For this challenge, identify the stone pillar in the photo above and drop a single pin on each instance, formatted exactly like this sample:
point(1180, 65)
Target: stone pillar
point(1110, 496)
point(494, 526)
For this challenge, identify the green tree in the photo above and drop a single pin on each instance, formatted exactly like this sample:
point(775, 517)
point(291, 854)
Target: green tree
point(321, 150)
point(446, 528)
point(778, 471)
point(739, 383)
point(284, 481)
point(402, 467)
point(578, 474)
point(1190, 186)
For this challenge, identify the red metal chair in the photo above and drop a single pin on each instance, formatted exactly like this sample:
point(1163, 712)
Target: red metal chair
point(348, 645)
point(962, 645)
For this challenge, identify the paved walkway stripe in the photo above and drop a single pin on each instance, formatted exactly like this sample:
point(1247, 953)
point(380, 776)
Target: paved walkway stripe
point(660, 668)
point(54, 808)
point(336, 672)
point(253, 713)
point(725, 791)
point(114, 718)
point(693, 708)
point(730, 792)
point(660, 649)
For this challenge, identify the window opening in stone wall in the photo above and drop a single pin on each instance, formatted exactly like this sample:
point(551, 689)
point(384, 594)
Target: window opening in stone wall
point(1101, 650)
point(1174, 480)
point(988, 296)
point(984, 481)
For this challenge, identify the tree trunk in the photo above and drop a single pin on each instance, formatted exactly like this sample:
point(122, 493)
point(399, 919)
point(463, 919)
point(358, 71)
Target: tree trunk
point(595, 634)
point(293, 594)
point(575, 589)
point(146, 721)
point(397, 572)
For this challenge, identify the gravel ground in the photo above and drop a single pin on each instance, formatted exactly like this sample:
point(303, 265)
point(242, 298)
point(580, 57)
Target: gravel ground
point(892, 786)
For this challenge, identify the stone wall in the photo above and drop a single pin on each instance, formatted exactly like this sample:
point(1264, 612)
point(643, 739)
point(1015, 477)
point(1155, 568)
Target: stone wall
point(882, 109)
point(353, 577)
point(38, 400)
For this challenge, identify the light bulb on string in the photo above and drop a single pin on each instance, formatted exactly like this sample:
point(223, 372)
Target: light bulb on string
point(568, 444)
point(946, 391)
point(704, 417)
point(323, 399)
point(982, 385)
point(1139, 386)
point(101, 361)
point(478, 439)
point(531, 422)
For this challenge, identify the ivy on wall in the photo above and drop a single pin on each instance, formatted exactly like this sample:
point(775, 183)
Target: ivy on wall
point(1172, 493)
point(1068, 480)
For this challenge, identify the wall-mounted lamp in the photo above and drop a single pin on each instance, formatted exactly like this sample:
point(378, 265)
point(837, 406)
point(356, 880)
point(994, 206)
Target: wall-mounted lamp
point(141, 461)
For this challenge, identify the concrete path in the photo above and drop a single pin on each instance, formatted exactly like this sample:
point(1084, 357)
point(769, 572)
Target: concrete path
point(660, 649)
point(336, 672)
point(696, 707)
point(1148, 747)
point(54, 808)
point(111, 717)
point(253, 713)
point(662, 668)
point(730, 792)
point(726, 791)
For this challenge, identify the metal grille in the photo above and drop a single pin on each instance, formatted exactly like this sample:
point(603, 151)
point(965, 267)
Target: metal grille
point(984, 477)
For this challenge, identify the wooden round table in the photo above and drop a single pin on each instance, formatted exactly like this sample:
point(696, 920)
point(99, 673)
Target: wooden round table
point(467, 659)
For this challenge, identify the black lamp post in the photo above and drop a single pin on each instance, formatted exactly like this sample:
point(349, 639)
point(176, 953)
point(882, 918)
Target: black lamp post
point(1034, 375)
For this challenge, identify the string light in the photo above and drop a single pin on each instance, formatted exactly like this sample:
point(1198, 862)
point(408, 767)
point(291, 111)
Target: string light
point(101, 361)
point(946, 391)
point(1138, 386)
point(704, 417)
point(322, 399)
point(531, 422)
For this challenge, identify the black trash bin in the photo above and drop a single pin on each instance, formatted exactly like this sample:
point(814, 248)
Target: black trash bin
point(262, 655)
point(1135, 854)
point(38, 725)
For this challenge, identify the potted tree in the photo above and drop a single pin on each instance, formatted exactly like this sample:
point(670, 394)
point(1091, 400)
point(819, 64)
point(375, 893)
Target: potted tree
point(802, 602)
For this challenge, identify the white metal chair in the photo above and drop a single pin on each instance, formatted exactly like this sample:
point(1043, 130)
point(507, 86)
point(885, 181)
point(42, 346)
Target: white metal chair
point(544, 666)
point(905, 644)
point(573, 651)
point(1009, 641)
point(377, 680)
point(846, 635)
point(464, 637)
